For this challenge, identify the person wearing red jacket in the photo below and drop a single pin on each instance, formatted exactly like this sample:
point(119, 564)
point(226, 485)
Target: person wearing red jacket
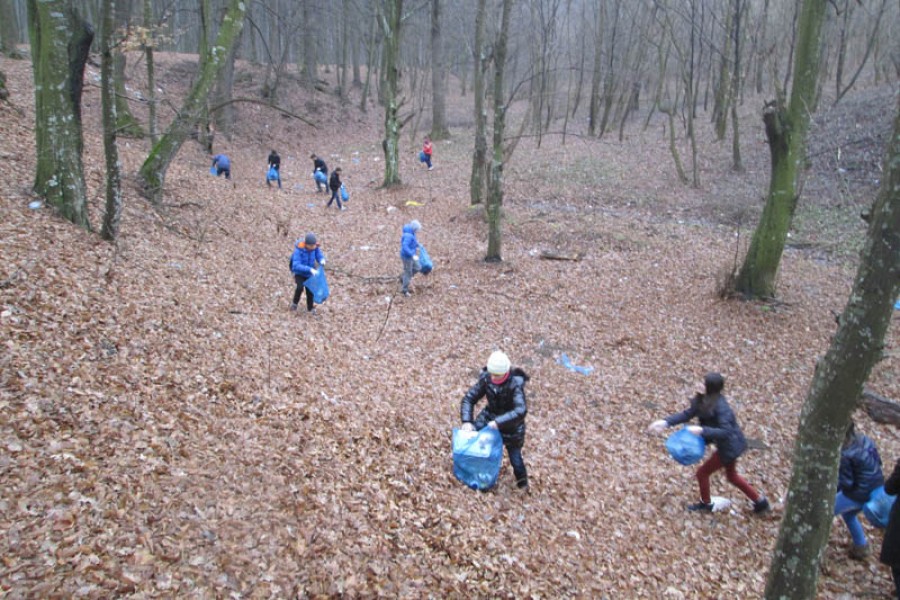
point(427, 150)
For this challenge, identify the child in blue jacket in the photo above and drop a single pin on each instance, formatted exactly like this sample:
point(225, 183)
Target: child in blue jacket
point(409, 254)
point(859, 475)
point(306, 258)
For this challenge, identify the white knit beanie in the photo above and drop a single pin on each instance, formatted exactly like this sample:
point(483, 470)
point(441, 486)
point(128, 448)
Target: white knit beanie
point(498, 363)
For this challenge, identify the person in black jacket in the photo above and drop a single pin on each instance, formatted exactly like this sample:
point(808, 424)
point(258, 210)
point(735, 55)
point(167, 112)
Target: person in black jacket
point(319, 165)
point(274, 162)
point(335, 184)
point(718, 426)
point(859, 475)
point(890, 546)
point(506, 408)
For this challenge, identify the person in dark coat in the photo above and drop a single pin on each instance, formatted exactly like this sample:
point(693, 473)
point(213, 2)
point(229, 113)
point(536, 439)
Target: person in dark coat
point(274, 163)
point(504, 387)
point(859, 475)
point(335, 184)
point(890, 546)
point(319, 165)
point(718, 426)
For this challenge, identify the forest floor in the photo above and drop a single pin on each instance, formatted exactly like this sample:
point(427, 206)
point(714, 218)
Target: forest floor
point(168, 428)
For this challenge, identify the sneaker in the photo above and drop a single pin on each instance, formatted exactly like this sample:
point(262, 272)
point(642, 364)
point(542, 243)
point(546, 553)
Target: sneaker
point(522, 484)
point(701, 507)
point(860, 552)
point(431, 168)
point(343, 208)
point(761, 506)
point(293, 307)
point(312, 312)
point(405, 292)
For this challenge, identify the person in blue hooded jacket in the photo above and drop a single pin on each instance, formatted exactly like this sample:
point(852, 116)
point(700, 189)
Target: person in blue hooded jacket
point(718, 426)
point(504, 388)
point(409, 254)
point(858, 476)
point(306, 261)
point(222, 165)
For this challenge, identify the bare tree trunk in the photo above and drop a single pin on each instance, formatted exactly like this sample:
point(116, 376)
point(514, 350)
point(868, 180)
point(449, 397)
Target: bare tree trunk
point(391, 22)
point(725, 81)
point(736, 162)
point(223, 91)
point(9, 33)
point(439, 129)
point(834, 393)
point(872, 38)
point(113, 213)
point(150, 25)
point(594, 106)
point(310, 74)
point(60, 42)
point(477, 181)
point(495, 189)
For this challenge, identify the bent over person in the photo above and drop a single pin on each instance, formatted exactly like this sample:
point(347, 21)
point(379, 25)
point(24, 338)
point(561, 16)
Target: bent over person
point(506, 408)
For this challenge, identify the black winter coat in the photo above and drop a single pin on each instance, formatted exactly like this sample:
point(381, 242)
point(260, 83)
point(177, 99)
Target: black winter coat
point(719, 424)
point(890, 547)
point(319, 165)
point(860, 471)
point(335, 182)
point(506, 405)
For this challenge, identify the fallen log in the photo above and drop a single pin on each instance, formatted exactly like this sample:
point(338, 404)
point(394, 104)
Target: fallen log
point(881, 409)
point(555, 256)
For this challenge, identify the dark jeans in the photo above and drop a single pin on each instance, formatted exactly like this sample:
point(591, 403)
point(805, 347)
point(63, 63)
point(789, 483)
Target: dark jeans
point(300, 279)
point(513, 450)
point(335, 195)
point(220, 170)
point(278, 179)
point(895, 573)
point(428, 160)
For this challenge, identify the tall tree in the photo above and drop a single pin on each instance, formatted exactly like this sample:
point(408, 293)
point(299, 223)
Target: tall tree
point(9, 32)
point(833, 394)
point(60, 42)
point(113, 214)
point(125, 121)
point(478, 179)
point(494, 205)
point(153, 171)
point(439, 129)
point(147, 41)
point(786, 132)
point(391, 20)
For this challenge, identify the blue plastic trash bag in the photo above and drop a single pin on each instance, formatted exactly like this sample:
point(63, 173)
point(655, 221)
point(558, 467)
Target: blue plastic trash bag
point(318, 285)
point(878, 508)
point(320, 177)
point(897, 305)
point(345, 195)
point(213, 170)
point(272, 174)
point(425, 264)
point(564, 361)
point(477, 456)
point(422, 157)
point(685, 447)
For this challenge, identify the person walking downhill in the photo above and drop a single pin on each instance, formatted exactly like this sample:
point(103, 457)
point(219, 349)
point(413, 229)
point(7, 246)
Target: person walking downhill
point(859, 475)
point(427, 150)
point(335, 184)
point(718, 426)
point(409, 254)
point(306, 258)
point(506, 409)
point(273, 165)
point(319, 165)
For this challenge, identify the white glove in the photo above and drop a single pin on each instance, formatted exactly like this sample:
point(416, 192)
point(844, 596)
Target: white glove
point(467, 427)
point(314, 272)
point(695, 429)
point(658, 426)
point(416, 257)
point(493, 425)
point(322, 263)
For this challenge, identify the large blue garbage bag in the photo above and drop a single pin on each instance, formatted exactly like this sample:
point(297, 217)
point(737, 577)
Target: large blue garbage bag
point(272, 174)
point(425, 264)
point(685, 447)
point(477, 456)
point(320, 177)
point(422, 156)
point(878, 508)
point(318, 285)
point(345, 195)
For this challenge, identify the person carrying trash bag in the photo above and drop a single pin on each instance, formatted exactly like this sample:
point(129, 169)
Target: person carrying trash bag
point(859, 474)
point(334, 183)
point(504, 387)
point(718, 426)
point(273, 169)
point(409, 254)
point(319, 166)
point(306, 258)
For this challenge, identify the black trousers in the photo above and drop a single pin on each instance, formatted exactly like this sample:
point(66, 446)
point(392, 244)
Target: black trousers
point(300, 279)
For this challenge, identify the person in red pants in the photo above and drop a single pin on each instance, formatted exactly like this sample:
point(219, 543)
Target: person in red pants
point(718, 426)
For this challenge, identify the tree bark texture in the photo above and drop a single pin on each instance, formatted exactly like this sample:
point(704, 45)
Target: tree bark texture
point(834, 393)
point(9, 33)
point(786, 132)
point(478, 179)
point(126, 123)
point(439, 129)
point(495, 190)
point(391, 22)
point(113, 214)
point(60, 42)
point(153, 171)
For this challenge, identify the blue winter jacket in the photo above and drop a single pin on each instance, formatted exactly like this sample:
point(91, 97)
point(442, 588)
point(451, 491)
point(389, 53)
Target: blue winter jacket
point(860, 470)
point(408, 242)
point(304, 259)
point(221, 161)
point(720, 426)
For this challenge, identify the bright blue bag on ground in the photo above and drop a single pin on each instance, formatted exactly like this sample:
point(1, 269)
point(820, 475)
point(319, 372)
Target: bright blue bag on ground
point(318, 285)
point(878, 508)
point(685, 447)
point(272, 174)
point(345, 195)
point(320, 177)
point(422, 157)
point(213, 170)
point(477, 456)
point(425, 264)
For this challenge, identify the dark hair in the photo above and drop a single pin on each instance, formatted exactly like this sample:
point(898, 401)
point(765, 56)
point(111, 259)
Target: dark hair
point(714, 383)
point(313, 155)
